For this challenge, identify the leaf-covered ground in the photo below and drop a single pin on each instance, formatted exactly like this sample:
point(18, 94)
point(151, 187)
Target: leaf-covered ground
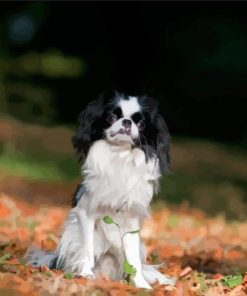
point(207, 255)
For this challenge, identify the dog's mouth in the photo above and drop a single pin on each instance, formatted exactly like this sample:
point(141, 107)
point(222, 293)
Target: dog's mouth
point(122, 131)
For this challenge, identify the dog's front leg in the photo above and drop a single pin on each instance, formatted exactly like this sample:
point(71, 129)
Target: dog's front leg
point(86, 225)
point(131, 243)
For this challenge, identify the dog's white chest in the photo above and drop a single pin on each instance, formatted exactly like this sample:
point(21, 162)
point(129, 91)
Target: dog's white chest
point(117, 174)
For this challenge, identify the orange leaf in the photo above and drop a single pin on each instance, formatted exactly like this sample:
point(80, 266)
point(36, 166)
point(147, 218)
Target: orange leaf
point(4, 211)
point(48, 245)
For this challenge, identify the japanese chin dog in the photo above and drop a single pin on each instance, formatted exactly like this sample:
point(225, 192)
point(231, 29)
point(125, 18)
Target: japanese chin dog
point(124, 143)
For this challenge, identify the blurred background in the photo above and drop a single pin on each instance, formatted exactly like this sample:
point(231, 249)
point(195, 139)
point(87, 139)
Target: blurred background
point(191, 57)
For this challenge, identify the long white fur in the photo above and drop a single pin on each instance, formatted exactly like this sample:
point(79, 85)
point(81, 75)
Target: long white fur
point(120, 184)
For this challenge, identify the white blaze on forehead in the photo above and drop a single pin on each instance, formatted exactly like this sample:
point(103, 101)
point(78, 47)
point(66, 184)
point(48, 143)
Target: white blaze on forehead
point(129, 106)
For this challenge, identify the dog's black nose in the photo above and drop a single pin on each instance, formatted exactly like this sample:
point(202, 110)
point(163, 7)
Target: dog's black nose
point(126, 123)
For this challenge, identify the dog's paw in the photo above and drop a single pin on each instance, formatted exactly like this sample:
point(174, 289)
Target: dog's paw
point(85, 269)
point(140, 282)
point(165, 280)
point(152, 275)
point(86, 274)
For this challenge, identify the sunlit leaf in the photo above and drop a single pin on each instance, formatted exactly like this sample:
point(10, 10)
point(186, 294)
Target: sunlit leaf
point(232, 280)
point(153, 257)
point(108, 220)
point(128, 268)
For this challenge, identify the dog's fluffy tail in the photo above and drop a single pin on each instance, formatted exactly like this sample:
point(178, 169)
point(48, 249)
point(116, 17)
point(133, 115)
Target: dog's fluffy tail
point(36, 257)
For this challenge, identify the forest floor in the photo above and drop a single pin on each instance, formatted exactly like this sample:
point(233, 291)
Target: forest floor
point(208, 256)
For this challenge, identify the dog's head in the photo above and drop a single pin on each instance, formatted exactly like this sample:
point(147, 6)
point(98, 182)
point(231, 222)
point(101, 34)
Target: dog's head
point(124, 119)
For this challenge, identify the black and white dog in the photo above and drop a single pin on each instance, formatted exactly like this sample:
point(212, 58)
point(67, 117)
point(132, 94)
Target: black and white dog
point(125, 142)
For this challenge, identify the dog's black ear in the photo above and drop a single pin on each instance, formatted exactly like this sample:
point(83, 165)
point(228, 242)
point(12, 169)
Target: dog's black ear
point(89, 128)
point(163, 144)
point(155, 139)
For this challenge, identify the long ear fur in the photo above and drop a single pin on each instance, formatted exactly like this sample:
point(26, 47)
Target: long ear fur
point(156, 138)
point(163, 144)
point(88, 130)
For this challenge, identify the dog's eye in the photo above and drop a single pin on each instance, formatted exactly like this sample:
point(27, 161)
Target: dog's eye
point(141, 126)
point(111, 118)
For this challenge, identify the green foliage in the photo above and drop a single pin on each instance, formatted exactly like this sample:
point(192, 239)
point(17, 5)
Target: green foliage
point(21, 92)
point(109, 220)
point(232, 280)
point(207, 175)
point(51, 63)
point(129, 270)
point(4, 258)
point(37, 165)
point(224, 58)
point(21, 165)
point(69, 276)
point(153, 258)
point(134, 231)
point(201, 279)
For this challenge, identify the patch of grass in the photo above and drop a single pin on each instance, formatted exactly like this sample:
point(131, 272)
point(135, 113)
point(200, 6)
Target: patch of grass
point(212, 193)
point(24, 165)
point(20, 165)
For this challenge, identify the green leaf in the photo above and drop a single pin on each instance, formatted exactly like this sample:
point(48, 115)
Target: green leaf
point(200, 278)
point(108, 220)
point(4, 258)
point(173, 220)
point(128, 268)
point(134, 231)
point(31, 224)
point(153, 257)
point(22, 261)
point(68, 276)
point(232, 280)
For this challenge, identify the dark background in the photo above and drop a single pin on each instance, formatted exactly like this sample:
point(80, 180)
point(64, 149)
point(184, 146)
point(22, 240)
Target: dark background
point(191, 56)
point(55, 57)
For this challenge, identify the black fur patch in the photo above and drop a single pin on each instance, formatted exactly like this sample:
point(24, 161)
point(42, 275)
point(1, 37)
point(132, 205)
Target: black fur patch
point(118, 112)
point(80, 190)
point(54, 264)
point(137, 117)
